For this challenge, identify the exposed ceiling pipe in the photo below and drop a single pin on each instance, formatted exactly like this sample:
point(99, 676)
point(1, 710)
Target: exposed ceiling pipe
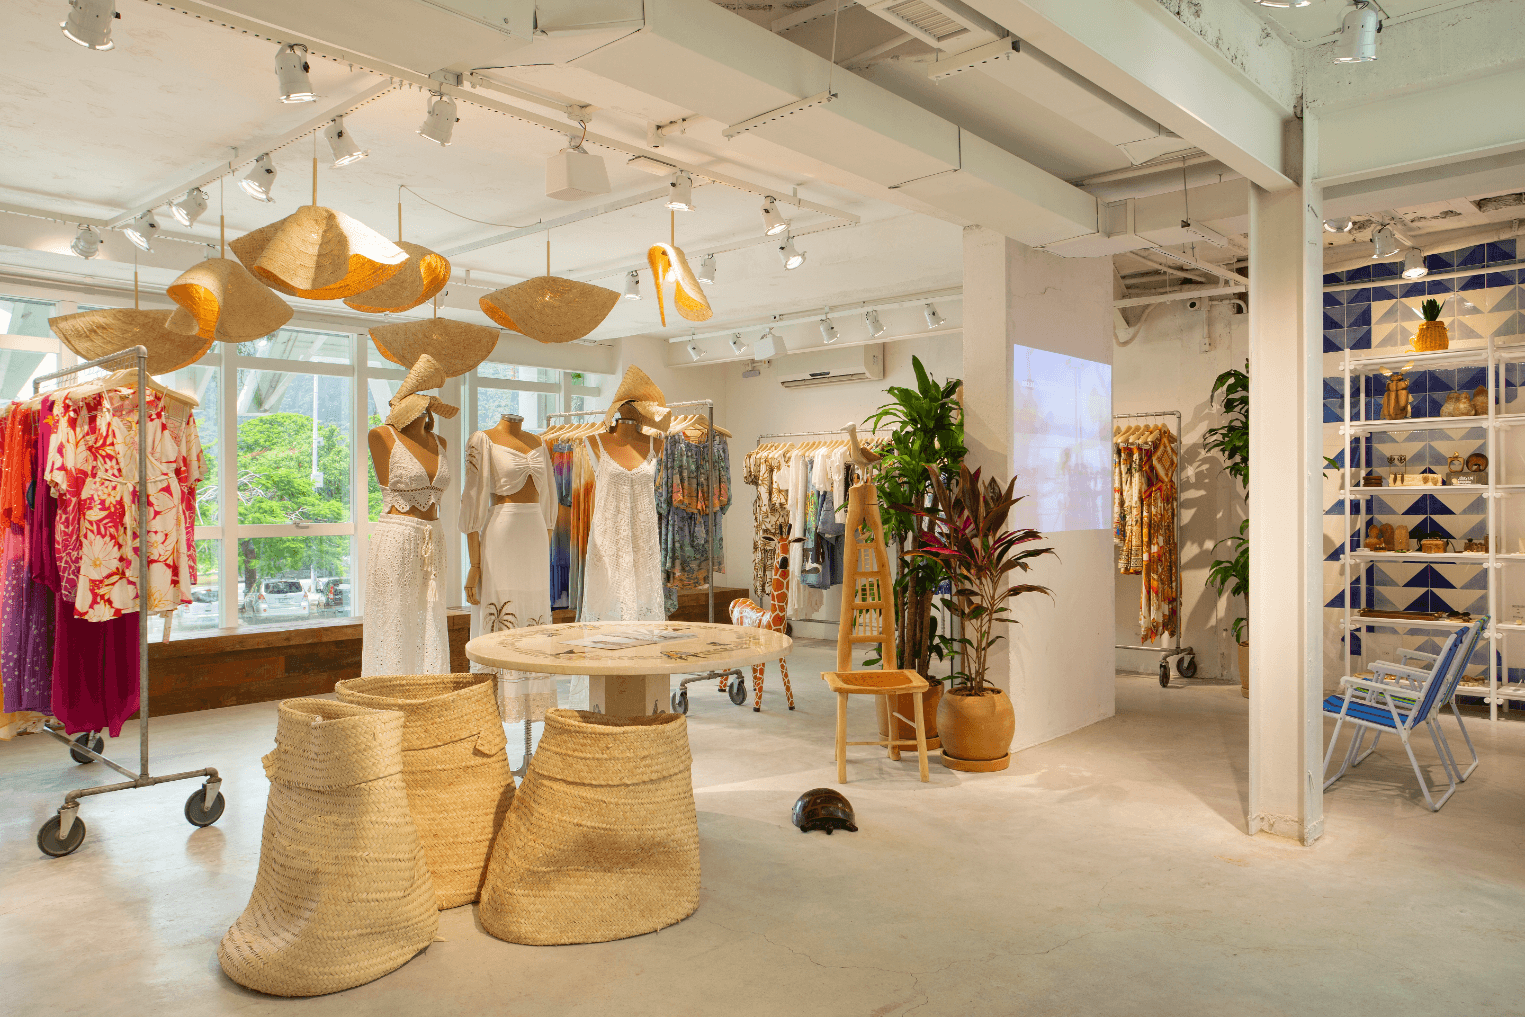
point(1160, 181)
point(1346, 256)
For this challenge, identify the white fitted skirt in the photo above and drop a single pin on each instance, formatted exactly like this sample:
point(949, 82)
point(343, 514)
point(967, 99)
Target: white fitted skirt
point(404, 624)
point(516, 593)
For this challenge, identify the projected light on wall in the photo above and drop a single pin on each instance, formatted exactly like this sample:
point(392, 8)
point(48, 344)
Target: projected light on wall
point(1061, 441)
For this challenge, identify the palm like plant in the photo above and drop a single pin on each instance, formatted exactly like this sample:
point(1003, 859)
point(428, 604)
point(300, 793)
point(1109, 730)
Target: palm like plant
point(1231, 440)
point(969, 539)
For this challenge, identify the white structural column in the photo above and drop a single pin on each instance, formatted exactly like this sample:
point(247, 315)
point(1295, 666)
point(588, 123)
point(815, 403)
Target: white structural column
point(1057, 662)
point(1286, 527)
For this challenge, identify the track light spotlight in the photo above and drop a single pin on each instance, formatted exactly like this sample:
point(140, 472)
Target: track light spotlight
point(934, 320)
point(291, 72)
point(189, 208)
point(875, 326)
point(142, 230)
point(1338, 225)
point(706, 271)
point(342, 144)
point(89, 23)
point(632, 285)
point(87, 243)
point(1413, 264)
point(694, 351)
point(790, 257)
point(260, 180)
point(768, 345)
point(737, 346)
point(680, 193)
point(440, 121)
point(1384, 243)
point(773, 221)
point(1357, 42)
point(828, 331)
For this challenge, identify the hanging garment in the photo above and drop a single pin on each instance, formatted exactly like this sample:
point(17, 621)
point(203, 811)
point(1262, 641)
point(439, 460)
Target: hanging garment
point(1144, 507)
point(580, 523)
point(404, 629)
point(687, 516)
point(769, 517)
point(561, 536)
point(624, 563)
point(515, 549)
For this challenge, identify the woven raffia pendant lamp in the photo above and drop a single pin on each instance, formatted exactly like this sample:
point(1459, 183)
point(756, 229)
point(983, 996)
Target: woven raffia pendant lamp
point(227, 303)
point(687, 296)
point(423, 275)
point(169, 336)
point(457, 346)
point(550, 309)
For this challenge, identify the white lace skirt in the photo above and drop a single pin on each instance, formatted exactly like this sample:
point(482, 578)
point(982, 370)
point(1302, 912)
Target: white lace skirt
point(515, 593)
point(404, 625)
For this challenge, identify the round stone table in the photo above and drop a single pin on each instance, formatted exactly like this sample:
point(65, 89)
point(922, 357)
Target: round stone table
point(635, 677)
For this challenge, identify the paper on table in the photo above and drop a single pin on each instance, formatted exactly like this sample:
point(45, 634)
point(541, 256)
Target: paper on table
point(628, 639)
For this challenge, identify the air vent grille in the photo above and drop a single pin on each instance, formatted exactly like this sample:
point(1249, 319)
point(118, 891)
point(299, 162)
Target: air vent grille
point(926, 19)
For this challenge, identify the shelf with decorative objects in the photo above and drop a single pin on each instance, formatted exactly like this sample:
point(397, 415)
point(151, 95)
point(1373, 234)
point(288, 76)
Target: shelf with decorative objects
point(1434, 429)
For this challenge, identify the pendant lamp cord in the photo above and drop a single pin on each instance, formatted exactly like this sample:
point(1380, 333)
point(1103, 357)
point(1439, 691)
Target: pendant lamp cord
point(314, 167)
point(222, 211)
point(135, 279)
point(548, 252)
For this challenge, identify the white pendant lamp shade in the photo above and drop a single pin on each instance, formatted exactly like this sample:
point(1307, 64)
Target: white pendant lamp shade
point(142, 230)
point(87, 243)
point(260, 180)
point(291, 72)
point(342, 144)
point(439, 123)
point(89, 23)
point(190, 208)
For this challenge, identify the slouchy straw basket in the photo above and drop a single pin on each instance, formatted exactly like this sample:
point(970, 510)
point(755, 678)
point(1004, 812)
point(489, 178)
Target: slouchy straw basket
point(343, 894)
point(454, 765)
point(602, 841)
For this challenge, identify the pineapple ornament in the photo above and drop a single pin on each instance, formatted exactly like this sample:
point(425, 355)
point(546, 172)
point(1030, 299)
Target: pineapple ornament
point(1432, 331)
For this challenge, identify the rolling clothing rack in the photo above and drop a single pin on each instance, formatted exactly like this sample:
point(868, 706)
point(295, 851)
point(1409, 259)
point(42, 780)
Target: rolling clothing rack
point(63, 834)
point(1187, 665)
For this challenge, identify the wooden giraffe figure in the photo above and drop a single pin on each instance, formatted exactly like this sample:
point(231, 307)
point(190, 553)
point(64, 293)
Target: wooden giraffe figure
point(746, 613)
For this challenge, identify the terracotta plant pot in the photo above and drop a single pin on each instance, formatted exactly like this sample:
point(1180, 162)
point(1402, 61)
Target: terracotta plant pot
point(1244, 669)
point(1431, 336)
point(976, 730)
point(905, 705)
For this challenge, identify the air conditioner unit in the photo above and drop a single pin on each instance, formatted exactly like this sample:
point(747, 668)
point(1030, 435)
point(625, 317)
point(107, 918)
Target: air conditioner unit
point(836, 367)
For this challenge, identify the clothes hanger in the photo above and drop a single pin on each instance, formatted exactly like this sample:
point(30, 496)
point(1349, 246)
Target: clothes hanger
point(128, 379)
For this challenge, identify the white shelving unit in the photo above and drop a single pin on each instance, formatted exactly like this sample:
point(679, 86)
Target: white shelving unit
point(1500, 498)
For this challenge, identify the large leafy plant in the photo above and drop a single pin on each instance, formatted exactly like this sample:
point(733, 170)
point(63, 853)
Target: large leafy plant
point(926, 432)
point(968, 538)
point(1231, 440)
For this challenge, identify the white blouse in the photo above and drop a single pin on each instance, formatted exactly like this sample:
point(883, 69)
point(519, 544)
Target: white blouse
point(492, 469)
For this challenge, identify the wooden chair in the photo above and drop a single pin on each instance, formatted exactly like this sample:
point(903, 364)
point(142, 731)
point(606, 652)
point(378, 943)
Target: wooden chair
point(868, 610)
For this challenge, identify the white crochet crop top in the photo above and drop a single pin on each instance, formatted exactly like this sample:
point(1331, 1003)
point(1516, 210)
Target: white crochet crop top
point(409, 486)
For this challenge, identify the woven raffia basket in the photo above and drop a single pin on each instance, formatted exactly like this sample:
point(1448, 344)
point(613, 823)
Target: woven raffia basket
point(455, 766)
point(602, 841)
point(1430, 336)
point(343, 894)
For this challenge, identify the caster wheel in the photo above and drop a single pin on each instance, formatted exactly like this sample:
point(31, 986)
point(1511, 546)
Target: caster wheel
point(680, 701)
point(98, 745)
point(737, 690)
point(196, 811)
point(1164, 674)
point(56, 847)
point(1186, 666)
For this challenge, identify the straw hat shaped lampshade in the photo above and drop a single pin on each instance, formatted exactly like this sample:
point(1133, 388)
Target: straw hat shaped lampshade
point(91, 335)
point(457, 346)
point(319, 254)
point(227, 303)
point(423, 275)
point(550, 309)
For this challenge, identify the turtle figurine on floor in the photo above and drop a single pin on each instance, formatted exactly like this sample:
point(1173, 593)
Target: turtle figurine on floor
point(824, 809)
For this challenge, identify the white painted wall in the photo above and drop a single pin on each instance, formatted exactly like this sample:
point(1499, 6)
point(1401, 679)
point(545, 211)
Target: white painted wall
point(1166, 368)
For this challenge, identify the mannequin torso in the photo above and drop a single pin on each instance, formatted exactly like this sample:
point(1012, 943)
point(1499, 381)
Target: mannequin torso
point(417, 439)
point(509, 432)
point(626, 444)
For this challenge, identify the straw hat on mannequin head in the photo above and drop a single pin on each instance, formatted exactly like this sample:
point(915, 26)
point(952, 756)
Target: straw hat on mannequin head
point(410, 402)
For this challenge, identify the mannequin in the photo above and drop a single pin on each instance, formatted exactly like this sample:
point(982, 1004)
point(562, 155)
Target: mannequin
point(418, 437)
point(623, 571)
point(510, 433)
point(627, 444)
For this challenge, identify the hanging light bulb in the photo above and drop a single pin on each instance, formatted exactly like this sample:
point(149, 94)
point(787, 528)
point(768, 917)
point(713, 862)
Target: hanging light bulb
point(260, 180)
point(1357, 42)
point(291, 73)
point(680, 194)
point(87, 243)
point(1413, 264)
point(933, 318)
point(89, 23)
point(141, 231)
point(1384, 243)
point(632, 286)
point(828, 331)
point(1338, 225)
point(773, 221)
point(439, 124)
point(790, 257)
point(342, 144)
point(189, 208)
point(737, 346)
point(875, 326)
point(706, 271)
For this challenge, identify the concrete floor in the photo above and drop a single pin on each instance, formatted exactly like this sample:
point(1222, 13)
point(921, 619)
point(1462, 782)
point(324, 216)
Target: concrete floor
point(1104, 873)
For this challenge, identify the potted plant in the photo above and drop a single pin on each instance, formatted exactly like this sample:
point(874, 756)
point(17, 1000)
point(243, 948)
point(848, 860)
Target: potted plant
point(1231, 440)
point(926, 433)
point(1431, 335)
point(969, 538)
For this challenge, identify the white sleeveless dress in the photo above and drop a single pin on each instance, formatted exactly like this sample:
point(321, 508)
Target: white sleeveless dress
point(623, 569)
point(404, 629)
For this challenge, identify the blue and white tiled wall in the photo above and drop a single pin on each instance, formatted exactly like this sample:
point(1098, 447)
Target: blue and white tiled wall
point(1373, 308)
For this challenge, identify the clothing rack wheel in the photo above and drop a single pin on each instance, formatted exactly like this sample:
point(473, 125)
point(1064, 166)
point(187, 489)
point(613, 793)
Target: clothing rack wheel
point(89, 740)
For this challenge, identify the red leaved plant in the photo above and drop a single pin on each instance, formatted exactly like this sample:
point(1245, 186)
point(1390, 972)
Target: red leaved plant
point(969, 538)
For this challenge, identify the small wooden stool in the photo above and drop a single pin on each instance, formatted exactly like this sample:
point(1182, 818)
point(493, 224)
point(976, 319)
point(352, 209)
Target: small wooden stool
point(881, 684)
